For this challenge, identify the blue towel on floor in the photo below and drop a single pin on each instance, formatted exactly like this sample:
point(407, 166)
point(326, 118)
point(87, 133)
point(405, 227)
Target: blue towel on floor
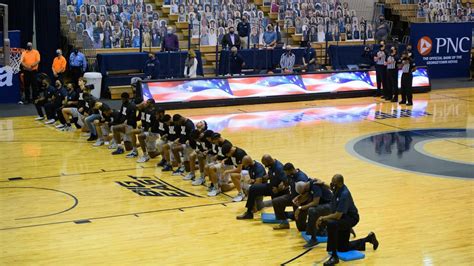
point(350, 255)
point(321, 239)
point(269, 218)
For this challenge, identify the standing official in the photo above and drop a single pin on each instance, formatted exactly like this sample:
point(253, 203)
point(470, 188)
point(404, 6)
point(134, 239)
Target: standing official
point(77, 64)
point(152, 67)
point(339, 223)
point(59, 66)
point(381, 70)
point(30, 60)
point(392, 76)
point(408, 66)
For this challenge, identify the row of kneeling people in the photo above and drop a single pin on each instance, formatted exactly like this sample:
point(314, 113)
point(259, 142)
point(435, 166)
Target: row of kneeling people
point(187, 147)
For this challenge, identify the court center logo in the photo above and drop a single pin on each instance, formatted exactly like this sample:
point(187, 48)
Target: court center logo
point(404, 150)
point(425, 44)
point(153, 187)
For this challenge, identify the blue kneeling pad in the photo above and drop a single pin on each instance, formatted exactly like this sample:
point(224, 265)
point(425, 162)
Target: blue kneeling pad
point(350, 255)
point(321, 239)
point(269, 218)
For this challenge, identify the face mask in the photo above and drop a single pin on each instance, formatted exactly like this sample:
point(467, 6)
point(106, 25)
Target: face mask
point(29, 48)
point(333, 187)
point(151, 58)
point(75, 51)
point(169, 32)
point(231, 32)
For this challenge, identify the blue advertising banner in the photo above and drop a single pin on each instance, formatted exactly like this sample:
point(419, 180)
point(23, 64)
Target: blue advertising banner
point(445, 48)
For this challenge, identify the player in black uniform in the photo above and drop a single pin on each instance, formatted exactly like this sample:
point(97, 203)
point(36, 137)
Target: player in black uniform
point(149, 131)
point(181, 144)
point(100, 108)
point(128, 121)
point(71, 100)
point(174, 131)
point(219, 181)
point(235, 156)
point(205, 154)
point(163, 132)
point(76, 112)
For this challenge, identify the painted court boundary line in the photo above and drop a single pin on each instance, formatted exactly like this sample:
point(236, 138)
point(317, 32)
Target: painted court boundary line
point(87, 220)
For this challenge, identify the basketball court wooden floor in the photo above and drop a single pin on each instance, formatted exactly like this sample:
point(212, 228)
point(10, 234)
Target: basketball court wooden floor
point(64, 202)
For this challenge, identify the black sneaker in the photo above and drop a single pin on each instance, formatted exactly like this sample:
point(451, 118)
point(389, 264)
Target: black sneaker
point(92, 138)
point(245, 216)
point(119, 150)
point(167, 168)
point(161, 163)
point(311, 243)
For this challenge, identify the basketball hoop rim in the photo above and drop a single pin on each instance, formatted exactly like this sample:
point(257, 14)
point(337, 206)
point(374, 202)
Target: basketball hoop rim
point(16, 50)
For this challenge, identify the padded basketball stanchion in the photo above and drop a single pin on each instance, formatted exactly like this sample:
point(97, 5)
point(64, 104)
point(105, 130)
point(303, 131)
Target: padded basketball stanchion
point(350, 255)
point(269, 218)
point(321, 239)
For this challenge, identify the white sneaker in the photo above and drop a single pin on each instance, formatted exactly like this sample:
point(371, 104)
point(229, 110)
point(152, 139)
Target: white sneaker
point(199, 181)
point(132, 154)
point(143, 158)
point(60, 126)
point(107, 143)
point(239, 197)
point(98, 143)
point(214, 192)
point(50, 121)
point(113, 146)
point(188, 176)
point(67, 128)
point(39, 118)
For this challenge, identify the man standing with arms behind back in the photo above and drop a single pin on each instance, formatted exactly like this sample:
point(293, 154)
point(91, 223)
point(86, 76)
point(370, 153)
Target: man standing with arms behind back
point(30, 60)
point(59, 66)
point(78, 65)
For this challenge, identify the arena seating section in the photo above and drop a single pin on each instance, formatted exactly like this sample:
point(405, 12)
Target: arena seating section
point(111, 26)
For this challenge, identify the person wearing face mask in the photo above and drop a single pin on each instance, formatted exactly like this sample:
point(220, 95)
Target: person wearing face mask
point(287, 60)
point(382, 31)
point(313, 201)
point(53, 106)
point(231, 39)
point(45, 94)
point(170, 41)
point(152, 67)
point(59, 65)
point(269, 37)
point(190, 65)
point(381, 70)
point(77, 64)
point(236, 62)
point(409, 51)
point(30, 60)
point(273, 185)
point(344, 216)
point(392, 76)
point(243, 28)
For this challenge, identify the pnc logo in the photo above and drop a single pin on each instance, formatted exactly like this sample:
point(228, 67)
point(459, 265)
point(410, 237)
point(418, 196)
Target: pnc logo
point(424, 45)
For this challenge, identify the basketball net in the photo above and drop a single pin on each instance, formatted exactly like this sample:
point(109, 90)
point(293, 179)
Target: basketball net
point(15, 59)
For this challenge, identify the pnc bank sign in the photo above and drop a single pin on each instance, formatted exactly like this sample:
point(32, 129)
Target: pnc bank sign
point(445, 45)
